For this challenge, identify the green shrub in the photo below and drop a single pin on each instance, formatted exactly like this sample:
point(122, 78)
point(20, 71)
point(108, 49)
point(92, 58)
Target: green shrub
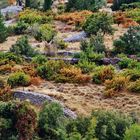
point(18, 79)
point(39, 60)
point(51, 122)
point(92, 5)
point(103, 73)
point(129, 42)
point(10, 57)
point(98, 22)
point(95, 42)
point(22, 47)
point(111, 125)
point(85, 65)
point(50, 69)
point(132, 74)
point(128, 63)
point(20, 27)
point(117, 4)
point(3, 30)
point(45, 33)
point(134, 86)
point(133, 133)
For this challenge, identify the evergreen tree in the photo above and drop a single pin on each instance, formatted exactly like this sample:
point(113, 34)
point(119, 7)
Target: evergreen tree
point(3, 30)
point(47, 4)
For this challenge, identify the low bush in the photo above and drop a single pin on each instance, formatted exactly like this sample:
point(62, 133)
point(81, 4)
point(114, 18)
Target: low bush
point(74, 18)
point(128, 63)
point(133, 132)
point(22, 47)
point(45, 33)
point(103, 73)
point(85, 65)
point(128, 44)
point(39, 60)
point(18, 79)
point(115, 85)
point(132, 74)
point(72, 75)
point(96, 43)
point(20, 27)
point(32, 16)
point(134, 86)
point(98, 22)
point(60, 43)
point(50, 69)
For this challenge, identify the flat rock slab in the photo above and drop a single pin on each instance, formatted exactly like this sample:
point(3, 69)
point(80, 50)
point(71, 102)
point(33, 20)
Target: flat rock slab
point(11, 10)
point(76, 38)
point(39, 99)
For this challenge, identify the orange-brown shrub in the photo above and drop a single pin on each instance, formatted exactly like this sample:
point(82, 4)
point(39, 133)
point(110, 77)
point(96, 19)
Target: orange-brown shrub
point(30, 70)
point(36, 81)
point(5, 69)
point(74, 17)
point(115, 85)
point(121, 18)
point(72, 75)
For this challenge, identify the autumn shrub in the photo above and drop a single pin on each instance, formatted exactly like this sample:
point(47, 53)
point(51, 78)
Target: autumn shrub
point(50, 69)
point(103, 73)
point(133, 132)
point(98, 22)
point(134, 86)
point(36, 81)
point(133, 14)
point(22, 47)
point(51, 122)
point(29, 70)
point(74, 18)
point(115, 85)
point(18, 79)
point(3, 30)
point(129, 42)
point(111, 125)
point(91, 5)
point(4, 69)
point(45, 33)
point(17, 120)
point(5, 91)
point(72, 75)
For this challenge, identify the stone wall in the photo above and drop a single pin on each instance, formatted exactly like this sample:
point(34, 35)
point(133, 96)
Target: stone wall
point(39, 99)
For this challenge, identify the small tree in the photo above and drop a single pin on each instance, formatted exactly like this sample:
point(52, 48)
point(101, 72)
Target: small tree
point(98, 22)
point(129, 43)
point(47, 4)
point(3, 30)
point(22, 47)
